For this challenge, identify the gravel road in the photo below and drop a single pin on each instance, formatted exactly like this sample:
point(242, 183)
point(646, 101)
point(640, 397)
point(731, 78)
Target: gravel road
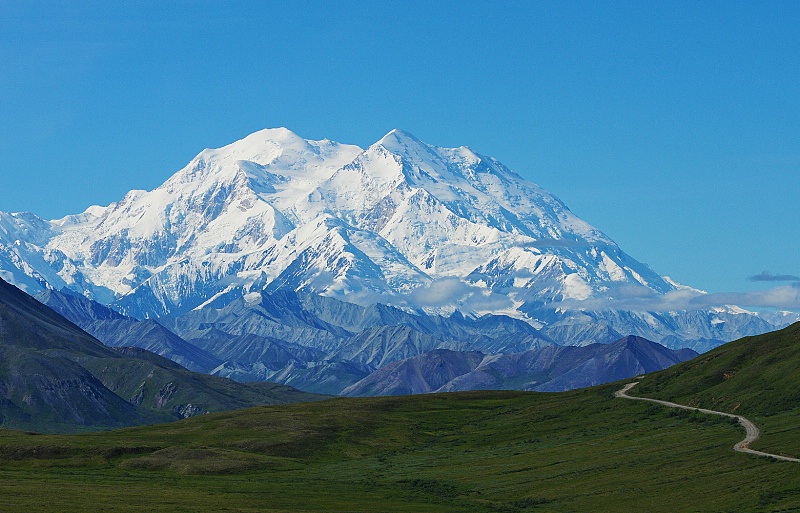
point(744, 446)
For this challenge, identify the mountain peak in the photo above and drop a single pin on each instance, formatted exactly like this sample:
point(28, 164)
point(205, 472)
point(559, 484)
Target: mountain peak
point(402, 212)
point(279, 135)
point(399, 141)
point(263, 146)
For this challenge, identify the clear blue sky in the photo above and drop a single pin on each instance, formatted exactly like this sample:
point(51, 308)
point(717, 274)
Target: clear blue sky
point(674, 127)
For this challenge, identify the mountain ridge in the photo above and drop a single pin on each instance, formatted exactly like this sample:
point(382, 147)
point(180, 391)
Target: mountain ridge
point(546, 369)
point(274, 197)
point(56, 377)
point(402, 222)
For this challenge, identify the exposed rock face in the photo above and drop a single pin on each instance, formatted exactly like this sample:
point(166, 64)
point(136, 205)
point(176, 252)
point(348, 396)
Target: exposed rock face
point(190, 410)
point(164, 394)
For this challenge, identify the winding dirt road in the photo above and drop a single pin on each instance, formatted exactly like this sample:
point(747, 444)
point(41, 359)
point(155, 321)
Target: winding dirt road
point(744, 446)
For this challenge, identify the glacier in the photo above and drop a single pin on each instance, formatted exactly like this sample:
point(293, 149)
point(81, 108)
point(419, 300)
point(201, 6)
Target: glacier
point(401, 223)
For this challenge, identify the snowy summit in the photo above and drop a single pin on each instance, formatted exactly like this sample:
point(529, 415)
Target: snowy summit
point(400, 222)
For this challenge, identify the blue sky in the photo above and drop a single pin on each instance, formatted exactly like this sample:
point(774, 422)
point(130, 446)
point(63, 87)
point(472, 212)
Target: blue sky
point(674, 127)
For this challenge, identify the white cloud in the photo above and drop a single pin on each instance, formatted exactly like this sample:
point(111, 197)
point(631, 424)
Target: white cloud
point(452, 292)
point(635, 298)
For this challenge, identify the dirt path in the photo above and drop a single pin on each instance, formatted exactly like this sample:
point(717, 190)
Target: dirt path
point(744, 446)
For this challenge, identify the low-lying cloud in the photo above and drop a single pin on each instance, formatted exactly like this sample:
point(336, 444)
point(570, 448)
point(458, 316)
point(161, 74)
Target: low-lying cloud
point(768, 276)
point(439, 293)
point(467, 297)
point(642, 299)
point(453, 290)
point(785, 297)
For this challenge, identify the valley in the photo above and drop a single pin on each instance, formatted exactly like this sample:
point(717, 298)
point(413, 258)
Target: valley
point(475, 451)
point(54, 377)
point(509, 451)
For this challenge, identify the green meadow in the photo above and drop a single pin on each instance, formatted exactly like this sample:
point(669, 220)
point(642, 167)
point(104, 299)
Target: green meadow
point(477, 451)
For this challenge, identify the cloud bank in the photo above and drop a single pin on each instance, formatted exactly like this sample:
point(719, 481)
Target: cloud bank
point(442, 292)
point(454, 292)
point(641, 299)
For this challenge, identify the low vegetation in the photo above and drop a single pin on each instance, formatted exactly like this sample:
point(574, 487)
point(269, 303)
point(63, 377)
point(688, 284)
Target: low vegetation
point(474, 451)
point(758, 377)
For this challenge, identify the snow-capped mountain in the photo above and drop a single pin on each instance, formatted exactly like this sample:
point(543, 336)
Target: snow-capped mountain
point(401, 222)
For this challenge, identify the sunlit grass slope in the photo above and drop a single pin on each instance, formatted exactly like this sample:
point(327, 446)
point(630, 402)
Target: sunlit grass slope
point(758, 377)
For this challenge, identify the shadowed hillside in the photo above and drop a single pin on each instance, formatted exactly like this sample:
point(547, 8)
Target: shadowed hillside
point(55, 377)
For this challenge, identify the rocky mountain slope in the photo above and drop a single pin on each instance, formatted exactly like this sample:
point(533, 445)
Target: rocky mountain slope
point(314, 343)
point(401, 222)
point(549, 369)
point(56, 377)
point(283, 338)
point(277, 211)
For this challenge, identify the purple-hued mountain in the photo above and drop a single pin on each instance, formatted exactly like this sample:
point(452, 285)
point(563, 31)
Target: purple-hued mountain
point(549, 369)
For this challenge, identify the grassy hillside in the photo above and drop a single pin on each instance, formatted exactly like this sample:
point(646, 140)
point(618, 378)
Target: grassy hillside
point(753, 376)
point(758, 377)
point(164, 385)
point(475, 451)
